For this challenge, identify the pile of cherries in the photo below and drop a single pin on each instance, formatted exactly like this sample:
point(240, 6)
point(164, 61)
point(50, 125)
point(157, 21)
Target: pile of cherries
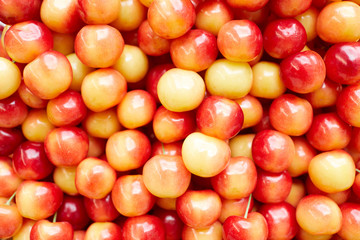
point(179, 119)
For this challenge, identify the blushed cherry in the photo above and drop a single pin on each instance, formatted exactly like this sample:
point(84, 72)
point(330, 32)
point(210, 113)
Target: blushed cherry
point(318, 215)
point(61, 16)
point(131, 197)
point(172, 223)
point(287, 9)
point(8, 178)
point(44, 229)
point(98, 46)
point(10, 139)
point(219, 117)
point(98, 12)
point(66, 146)
point(166, 203)
point(101, 210)
point(199, 209)
point(13, 111)
point(303, 235)
point(303, 72)
point(333, 16)
point(103, 89)
point(143, 227)
point(234, 207)
point(346, 105)
point(272, 187)
point(30, 161)
point(342, 63)
point(284, 37)
point(24, 231)
point(325, 96)
point(239, 169)
point(136, 109)
point(350, 221)
point(229, 79)
point(252, 110)
point(161, 173)
point(48, 75)
point(248, 4)
point(260, 16)
point(72, 210)
point(291, 115)
point(12, 12)
point(328, 132)
point(102, 231)
point(273, 151)
point(150, 42)
point(171, 18)
point(128, 150)
point(211, 15)
point(153, 77)
point(38, 200)
point(11, 219)
point(171, 149)
point(297, 192)
point(26, 40)
point(212, 232)
point(94, 178)
point(196, 50)
point(29, 98)
point(240, 40)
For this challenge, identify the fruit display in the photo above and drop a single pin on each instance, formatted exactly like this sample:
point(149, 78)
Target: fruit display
point(179, 119)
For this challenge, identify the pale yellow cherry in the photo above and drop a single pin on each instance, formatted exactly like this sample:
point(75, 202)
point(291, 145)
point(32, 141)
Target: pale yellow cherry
point(131, 14)
point(297, 192)
point(212, 232)
point(205, 156)
point(252, 110)
point(229, 79)
point(36, 125)
point(79, 70)
point(166, 203)
point(332, 171)
point(64, 177)
point(102, 124)
point(303, 235)
point(181, 90)
point(133, 64)
point(267, 82)
point(241, 145)
point(10, 78)
point(308, 20)
point(24, 231)
point(63, 42)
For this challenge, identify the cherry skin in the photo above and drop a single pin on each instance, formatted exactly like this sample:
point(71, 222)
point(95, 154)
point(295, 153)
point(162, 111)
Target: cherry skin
point(254, 227)
point(281, 220)
point(198, 209)
point(284, 37)
point(317, 214)
point(68, 109)
point(303, 72)
point(240, 40)
point(342, 63)
point(72, 210)
point(350, 221)
point(10, 139)
point(25, 41)
point(44, 229)
point(8, 178)
point(145, 227)
point(98, 12)
point(347, 107)
point(11, 219)
point(101, 210)
point(212, 232)
point(291, 115)
point(12, 12)
point(11, 73)
point(172, 149)
point(325, 96)
point(38, 200)
point(172, 223)
point(196, 50)
point(30, 161)
point(13, 111)
point(273, 151)
point(252, 110)
point(153, 76)
point(286, 9)
point(234, 207)
point(219, 117)
point(131, 14)
point(29, 98)
point(328, 132)
point(103, 231)
point(248, 5)
point(171, 18)
point(272, 187)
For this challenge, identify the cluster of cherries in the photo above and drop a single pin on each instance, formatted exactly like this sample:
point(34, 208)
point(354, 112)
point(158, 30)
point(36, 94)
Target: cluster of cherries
point(179, 119)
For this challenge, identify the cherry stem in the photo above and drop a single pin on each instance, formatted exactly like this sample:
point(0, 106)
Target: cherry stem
point(54, 217)
point(248, 206)
point(357, 170)
point(163, 148)
point(10, 199)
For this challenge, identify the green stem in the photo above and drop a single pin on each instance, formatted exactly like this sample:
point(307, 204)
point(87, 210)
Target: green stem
point(54, 217)
point(163, 148)
point(248, 206)
point(10, 199)
point(357, 170)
